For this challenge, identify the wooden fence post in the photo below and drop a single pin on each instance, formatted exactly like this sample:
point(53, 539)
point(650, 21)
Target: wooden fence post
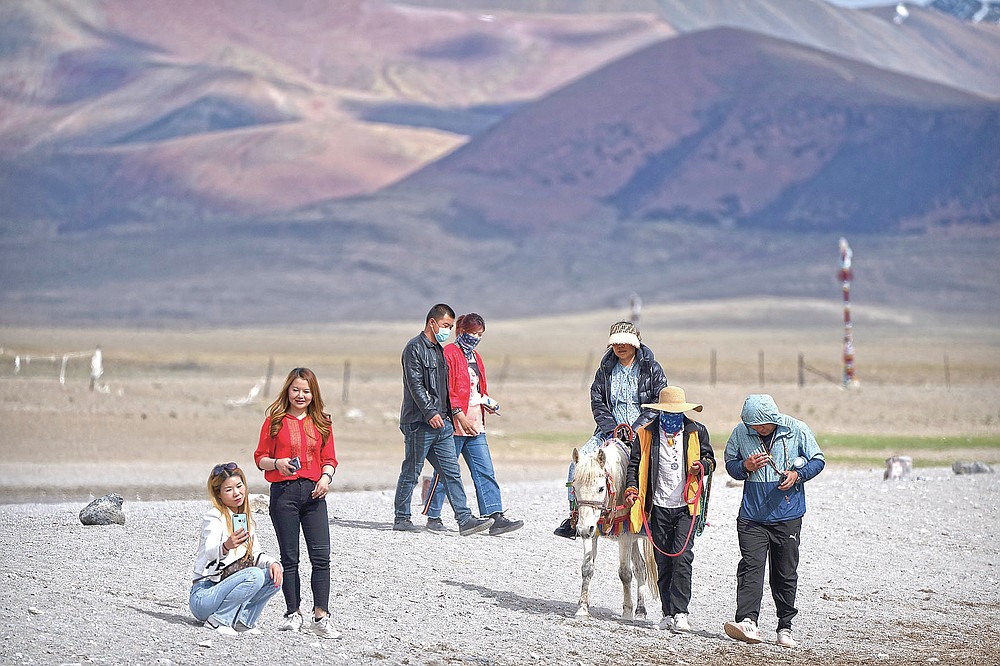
point(712, 364)
point(347, 381)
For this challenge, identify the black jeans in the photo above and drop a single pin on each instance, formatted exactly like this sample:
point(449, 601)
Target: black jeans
point(758, 542)
point(292, 507)
point(670, 528)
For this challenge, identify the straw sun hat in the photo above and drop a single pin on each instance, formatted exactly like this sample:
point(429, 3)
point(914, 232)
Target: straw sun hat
point(673, 400)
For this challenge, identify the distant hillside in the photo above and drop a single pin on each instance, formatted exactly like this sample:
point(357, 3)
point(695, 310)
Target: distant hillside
point(223, 162)
point(730, 128)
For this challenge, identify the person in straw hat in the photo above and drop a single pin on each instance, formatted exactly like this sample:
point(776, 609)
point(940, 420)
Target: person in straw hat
point(627, 376)
point(670, 456)
point(774, 455)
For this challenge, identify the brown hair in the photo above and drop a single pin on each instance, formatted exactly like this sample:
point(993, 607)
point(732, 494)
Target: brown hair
point(469, 321)
point(277, 410)
point(215, 482)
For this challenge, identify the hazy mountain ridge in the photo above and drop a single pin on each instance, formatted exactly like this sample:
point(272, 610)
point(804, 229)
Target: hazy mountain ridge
point(187, 163)
point(731, 128)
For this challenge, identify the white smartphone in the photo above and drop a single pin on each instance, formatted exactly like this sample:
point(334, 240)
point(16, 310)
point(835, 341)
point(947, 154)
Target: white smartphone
point(240, 523)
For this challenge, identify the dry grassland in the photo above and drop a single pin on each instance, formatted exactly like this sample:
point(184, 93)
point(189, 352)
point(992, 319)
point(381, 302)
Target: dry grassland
point(165, 420)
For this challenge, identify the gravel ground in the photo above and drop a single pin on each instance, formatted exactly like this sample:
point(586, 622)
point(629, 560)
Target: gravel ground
point(891, 572)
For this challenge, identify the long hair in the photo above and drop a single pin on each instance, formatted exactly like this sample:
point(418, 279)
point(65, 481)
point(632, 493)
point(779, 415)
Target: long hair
point(215, 482)
point(277, 410)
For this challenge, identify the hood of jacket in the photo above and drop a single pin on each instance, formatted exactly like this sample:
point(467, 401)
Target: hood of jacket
point(759, 409)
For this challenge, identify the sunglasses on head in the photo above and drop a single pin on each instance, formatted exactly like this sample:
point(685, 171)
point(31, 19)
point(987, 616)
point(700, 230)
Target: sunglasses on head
point(226, 467)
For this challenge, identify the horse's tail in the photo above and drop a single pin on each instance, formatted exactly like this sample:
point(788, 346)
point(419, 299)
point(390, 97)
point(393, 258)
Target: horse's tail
point(652, 573)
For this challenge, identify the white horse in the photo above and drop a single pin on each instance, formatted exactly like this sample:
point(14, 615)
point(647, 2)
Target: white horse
point(599, 486)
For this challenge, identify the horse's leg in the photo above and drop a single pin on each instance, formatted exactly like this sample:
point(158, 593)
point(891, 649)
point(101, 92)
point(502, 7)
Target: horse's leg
point(587, 571)
point(625, 573)
point(641, 577)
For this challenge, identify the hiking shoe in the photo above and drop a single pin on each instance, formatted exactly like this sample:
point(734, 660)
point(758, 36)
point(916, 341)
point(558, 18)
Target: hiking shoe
point(681, 623)
point(321, 627)
point(565, 529)
point(502, 525)
point(404, 525)
point(436, 525)
point(785, 638)
point(291, 622)
point(221, 629)
point(666, 624)
point(745, 631)
point(475, 526)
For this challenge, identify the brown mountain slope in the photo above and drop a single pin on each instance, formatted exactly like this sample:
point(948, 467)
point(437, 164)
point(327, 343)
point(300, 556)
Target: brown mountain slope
point(734, 128)
point(117, 113)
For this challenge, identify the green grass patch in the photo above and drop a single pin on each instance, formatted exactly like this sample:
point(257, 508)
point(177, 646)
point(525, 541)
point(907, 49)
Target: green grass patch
point(906, 444)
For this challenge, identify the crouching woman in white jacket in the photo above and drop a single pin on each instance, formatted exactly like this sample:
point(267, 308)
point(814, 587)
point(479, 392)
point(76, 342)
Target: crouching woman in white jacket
point(233, 579)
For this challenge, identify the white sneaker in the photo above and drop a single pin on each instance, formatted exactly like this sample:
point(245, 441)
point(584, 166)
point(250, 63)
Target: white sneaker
point(244, 630)
point(666, 624)
point(785, 638)
point(322, 628)
point(221, 629)
point(681, 623)
point(745, 631)
point(291, 622)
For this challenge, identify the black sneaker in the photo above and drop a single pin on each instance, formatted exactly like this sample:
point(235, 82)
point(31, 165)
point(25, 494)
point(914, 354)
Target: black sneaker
point(501, 525)
point(475, 526)
point(436, 525)
point(566, 530)
point(404, 525)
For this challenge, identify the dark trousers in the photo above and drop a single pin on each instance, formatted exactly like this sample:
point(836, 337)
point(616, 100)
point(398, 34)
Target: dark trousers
point(758, 542)
point(292, 508)
point(670, 528)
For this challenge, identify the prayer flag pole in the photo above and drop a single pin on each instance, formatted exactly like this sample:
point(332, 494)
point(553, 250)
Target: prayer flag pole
point(845, 281)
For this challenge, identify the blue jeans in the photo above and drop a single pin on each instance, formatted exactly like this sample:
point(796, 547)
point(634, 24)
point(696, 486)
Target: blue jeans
point(438, 447)
point(477, 456)
point(240, 597)
point(292, 508)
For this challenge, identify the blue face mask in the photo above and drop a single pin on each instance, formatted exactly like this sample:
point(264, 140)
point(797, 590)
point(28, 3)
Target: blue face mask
point(467, 342)
point(442, 335)
point(671, 423)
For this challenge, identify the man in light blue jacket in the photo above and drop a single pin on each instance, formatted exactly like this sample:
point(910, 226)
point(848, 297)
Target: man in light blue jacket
point(774, 455)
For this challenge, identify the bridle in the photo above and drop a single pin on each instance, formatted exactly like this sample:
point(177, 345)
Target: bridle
point(608, 506)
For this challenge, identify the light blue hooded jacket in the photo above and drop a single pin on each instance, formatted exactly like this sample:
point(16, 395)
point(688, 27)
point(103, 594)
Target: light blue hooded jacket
point(762, 501)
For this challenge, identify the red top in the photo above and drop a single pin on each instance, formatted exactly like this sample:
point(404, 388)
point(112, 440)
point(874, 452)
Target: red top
point(459, 385)
point(296, 438)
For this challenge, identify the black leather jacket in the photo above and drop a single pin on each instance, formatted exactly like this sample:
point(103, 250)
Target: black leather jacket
point(651, 381)
point(425, 382)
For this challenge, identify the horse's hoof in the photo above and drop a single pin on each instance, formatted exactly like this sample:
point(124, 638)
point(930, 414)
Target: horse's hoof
point(627, 617)
point(583, 612)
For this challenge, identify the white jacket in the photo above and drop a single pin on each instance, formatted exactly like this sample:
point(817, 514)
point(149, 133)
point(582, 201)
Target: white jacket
point(210, 560)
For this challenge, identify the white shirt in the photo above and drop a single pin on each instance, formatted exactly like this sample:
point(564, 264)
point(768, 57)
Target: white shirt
point(668, 491)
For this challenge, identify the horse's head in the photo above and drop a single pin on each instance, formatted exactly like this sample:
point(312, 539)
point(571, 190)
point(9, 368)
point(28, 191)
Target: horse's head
point(594, 487)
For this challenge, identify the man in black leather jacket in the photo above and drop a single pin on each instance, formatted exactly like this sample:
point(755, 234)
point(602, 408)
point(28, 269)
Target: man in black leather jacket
point(425, 421)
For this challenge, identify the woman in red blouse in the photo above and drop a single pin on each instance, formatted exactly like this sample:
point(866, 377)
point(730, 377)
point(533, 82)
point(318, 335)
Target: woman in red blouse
point(296, 454)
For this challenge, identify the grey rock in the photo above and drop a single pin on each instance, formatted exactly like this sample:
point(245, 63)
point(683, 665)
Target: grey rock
point(105, 510)
point(898, 468)
point(969, 467)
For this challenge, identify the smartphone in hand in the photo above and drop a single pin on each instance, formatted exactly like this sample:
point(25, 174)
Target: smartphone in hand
point(240, 523)
point(295, 463)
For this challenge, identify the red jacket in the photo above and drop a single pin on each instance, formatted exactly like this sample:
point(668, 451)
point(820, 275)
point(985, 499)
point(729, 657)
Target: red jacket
point(459, 386)
point(296, 438)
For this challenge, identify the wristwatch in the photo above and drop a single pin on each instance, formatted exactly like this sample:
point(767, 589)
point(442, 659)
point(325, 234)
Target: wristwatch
point(456, 410)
